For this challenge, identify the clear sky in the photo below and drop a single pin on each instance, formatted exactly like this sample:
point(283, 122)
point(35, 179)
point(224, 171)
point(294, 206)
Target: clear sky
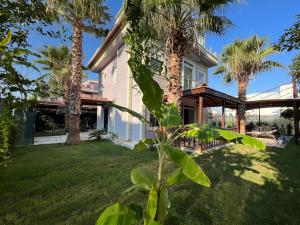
point(262, 17)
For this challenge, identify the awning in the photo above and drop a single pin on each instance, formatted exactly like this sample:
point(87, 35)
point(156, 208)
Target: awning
point(268, 103)
point(212, 98)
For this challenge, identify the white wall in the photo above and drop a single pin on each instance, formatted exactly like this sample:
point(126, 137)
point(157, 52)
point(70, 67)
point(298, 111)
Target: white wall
point(118, 86)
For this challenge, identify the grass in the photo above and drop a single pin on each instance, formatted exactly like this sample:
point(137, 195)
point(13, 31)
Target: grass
point(58, 184)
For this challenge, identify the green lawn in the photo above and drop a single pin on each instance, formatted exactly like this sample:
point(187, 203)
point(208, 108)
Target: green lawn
point(57, 184)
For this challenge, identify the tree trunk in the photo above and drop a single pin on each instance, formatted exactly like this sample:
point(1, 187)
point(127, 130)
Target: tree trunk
point(175, 52)
point(75, 86)
point(295, 87)
point(242, 95)
point(66, 102)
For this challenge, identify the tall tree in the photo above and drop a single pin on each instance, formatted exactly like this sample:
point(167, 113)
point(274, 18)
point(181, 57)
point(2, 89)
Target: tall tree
point(57, 62)
point(18, 20)
point(179, 24)
point(84, 16)
point(291, 38)
point(295, 68)
point(241, 61)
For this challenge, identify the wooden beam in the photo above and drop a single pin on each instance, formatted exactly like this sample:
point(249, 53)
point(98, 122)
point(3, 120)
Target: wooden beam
point(296, 122)
point(200, 111)
point(223, 116)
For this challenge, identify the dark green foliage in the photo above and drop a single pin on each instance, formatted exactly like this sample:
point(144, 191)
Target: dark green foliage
point(8, 134)
point(18, 20)
point(97, 134)
point(250, 126)
point(291, 38)
point(295, 68)
point(287, 114)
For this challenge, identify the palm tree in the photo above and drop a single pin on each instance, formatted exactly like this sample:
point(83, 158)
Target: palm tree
point(178, 24)
point(84, 16)
point(241, 61)
point(57, 61)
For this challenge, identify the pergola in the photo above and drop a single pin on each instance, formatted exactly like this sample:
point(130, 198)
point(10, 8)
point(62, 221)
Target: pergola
point(208, 97)
point(269, 103)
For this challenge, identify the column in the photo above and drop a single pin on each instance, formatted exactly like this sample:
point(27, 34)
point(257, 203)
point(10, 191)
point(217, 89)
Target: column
point(223, 116)
point(200, 111)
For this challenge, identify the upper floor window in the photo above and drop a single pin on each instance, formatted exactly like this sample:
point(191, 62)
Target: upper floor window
point(187, 76)
point(200, 77)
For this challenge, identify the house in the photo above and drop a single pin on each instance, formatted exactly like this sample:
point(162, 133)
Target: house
point(117, 85)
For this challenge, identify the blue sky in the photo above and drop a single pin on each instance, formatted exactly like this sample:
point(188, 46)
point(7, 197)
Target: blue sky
point(262, 17)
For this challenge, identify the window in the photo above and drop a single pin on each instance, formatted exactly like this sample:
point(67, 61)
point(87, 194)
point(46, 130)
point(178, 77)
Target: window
point(200, 77)
point(187, 76)
point(153, 121)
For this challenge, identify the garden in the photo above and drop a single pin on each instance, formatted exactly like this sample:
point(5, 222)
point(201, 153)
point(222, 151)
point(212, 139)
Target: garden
point(58, 184)
point(157, 182)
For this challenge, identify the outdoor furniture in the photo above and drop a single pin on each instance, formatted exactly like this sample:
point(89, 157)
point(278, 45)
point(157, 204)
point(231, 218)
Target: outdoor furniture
point(264, 134)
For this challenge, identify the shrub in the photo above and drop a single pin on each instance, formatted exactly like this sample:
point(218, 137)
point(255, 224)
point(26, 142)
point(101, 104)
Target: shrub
point(97, 134)
point(8, 133)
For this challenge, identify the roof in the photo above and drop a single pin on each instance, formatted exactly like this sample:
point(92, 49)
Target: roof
point(85, 102)
point(268, 103)
point(213, 98)
point(112, 42)
point(117, 27)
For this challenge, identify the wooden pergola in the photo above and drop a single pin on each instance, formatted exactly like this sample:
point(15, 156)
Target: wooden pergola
point(208, 97)
point(269, 103)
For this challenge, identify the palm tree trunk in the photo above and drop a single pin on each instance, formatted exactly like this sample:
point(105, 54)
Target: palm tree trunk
point(75, 86)
point(66, 102)
point(295, 88)
point(175, 52)
point(242, 95)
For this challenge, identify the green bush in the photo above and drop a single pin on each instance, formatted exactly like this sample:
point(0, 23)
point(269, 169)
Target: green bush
point(9, 132)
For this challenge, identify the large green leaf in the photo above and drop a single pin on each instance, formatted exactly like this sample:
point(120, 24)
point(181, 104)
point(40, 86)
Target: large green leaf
point(117, 214)
point(152, 222)
point(171, 116)
point(130, 111)
point(144, 144)
point(202, 132)
point(242, 139)
point(6, 40)
point(206, 133)
point(142, 177)
point(152, 204)
point(177, 177)
point(252, 142)
point(163, 204)
point(189, 167)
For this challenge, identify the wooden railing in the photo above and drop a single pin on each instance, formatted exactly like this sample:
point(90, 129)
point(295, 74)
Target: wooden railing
point(197, 145)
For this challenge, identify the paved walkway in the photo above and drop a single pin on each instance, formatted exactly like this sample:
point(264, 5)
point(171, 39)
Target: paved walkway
point(57, 139)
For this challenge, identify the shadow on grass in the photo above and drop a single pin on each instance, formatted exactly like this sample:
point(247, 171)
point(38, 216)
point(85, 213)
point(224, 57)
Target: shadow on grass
point(249, 187)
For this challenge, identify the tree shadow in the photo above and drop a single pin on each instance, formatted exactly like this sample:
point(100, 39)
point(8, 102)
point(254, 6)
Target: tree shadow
point(248, 187)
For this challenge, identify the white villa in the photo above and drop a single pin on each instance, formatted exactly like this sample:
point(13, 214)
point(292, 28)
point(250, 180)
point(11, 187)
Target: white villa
point(117, 85)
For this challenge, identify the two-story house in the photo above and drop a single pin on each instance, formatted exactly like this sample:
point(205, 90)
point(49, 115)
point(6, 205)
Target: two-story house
point(117, 85)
